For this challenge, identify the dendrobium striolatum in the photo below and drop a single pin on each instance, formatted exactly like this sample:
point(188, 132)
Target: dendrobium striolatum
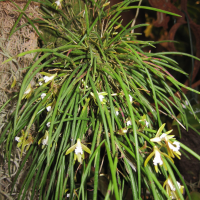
point(79, 153)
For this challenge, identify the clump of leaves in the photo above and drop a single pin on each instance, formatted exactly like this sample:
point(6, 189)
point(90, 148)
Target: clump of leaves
point(97, 109)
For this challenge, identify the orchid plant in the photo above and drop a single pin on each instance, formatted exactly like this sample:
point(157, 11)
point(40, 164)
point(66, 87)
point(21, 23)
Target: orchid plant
point(96, 103)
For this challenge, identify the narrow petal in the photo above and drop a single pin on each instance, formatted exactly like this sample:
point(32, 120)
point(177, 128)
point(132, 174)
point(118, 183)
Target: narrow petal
point(86, 148)
point(70, 149)
point(160, 130)
point(148, 158)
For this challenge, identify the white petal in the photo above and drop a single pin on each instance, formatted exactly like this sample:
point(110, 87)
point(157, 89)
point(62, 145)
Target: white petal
point(101, 97)
point(162, 137)
point(128, 123)
point(48, 124)
point(171, 146)
point(177, 145)
point(117, 112)
point(147, 123)
point(40, 83)
point(156, 139)
point(17, 139)
point(157, 159)
point(43, 95)
point(78, 150)
point(49, 108)
point(171, 185)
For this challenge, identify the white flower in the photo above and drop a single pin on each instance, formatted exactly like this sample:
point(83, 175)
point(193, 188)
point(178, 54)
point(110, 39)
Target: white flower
point(147, 123)
point(40, 83)
point(48, 78)
point(27, 91)
point(117, 112)
point(43, 95)
point(78, 150)
point(176, 147)
point(124, 130)
point(45, 141)
point(130, 98)
point(68, 195)
point(171, 190)
point(128, 123)
point(17, 139)
point(48, 108)
point(48, 124)
point(58, 4)
point(101, 97)
point(157, 159)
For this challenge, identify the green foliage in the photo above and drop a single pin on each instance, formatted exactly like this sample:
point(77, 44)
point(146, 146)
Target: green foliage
point(98, 93)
